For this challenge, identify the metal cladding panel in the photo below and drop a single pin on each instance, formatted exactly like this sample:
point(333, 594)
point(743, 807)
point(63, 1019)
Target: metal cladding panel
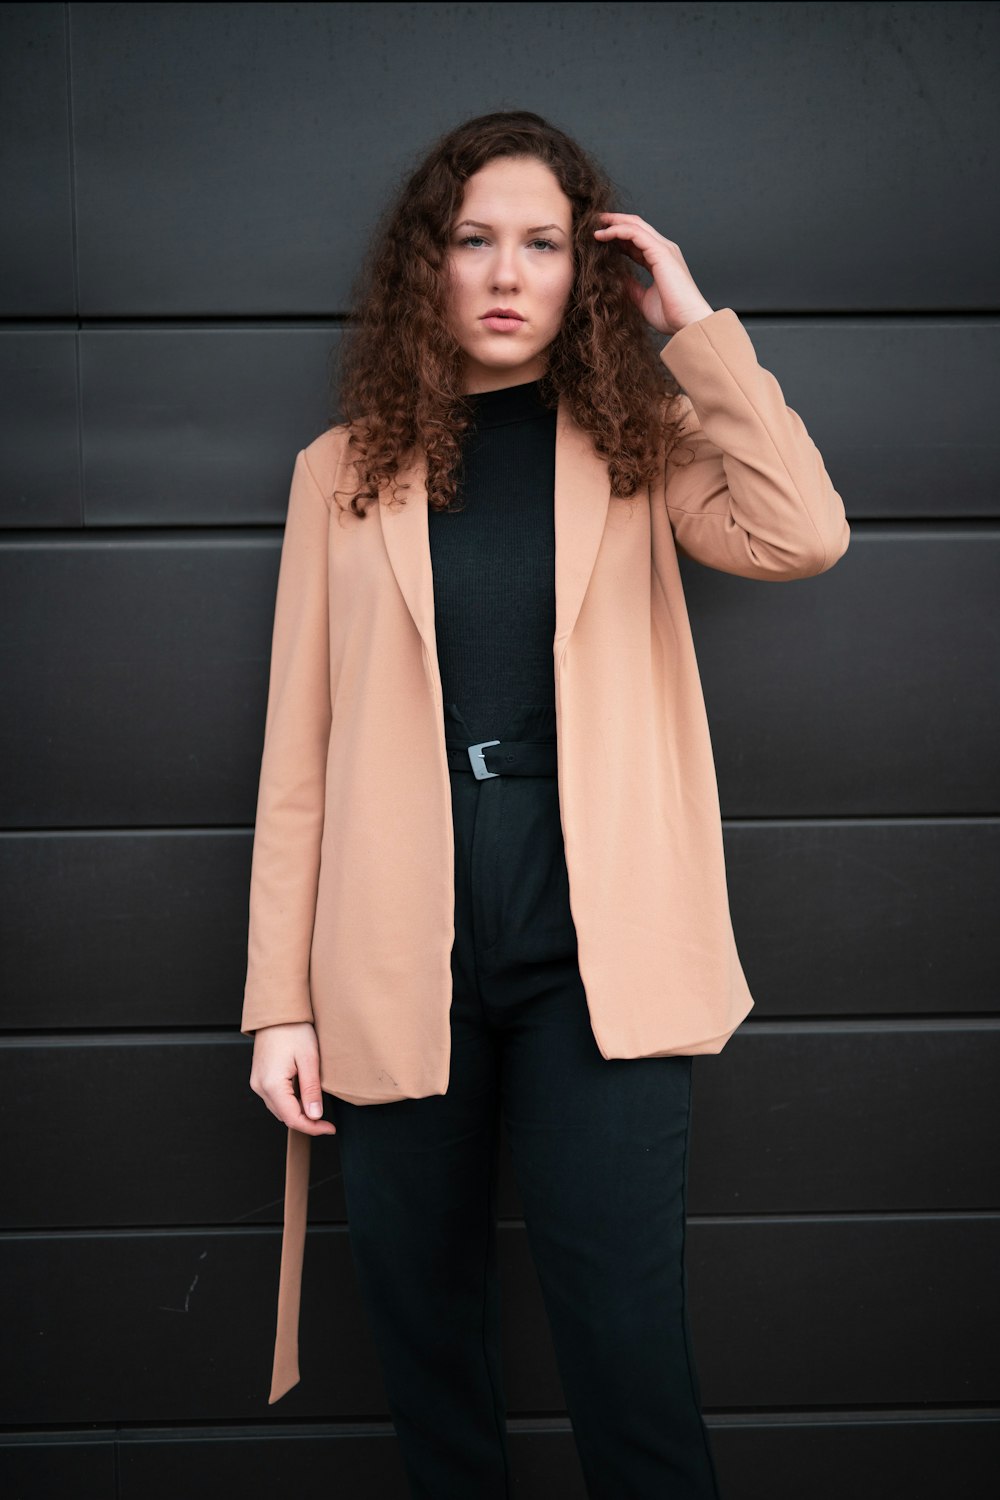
point(188, 192)
point(232, 161)
point(37, 249)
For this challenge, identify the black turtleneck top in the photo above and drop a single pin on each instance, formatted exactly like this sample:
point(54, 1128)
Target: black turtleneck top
point(493, 560)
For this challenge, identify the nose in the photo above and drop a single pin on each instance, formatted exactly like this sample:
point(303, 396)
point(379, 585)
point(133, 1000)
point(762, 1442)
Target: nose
point(504, 268)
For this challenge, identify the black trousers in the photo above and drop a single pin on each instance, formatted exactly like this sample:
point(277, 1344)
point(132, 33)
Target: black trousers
point(600, 1151)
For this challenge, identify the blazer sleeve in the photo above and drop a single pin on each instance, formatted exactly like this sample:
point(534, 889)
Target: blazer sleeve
point(755, 499)
point(292, 791)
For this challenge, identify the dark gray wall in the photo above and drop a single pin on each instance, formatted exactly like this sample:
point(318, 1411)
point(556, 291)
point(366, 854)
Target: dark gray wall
point(186, 190)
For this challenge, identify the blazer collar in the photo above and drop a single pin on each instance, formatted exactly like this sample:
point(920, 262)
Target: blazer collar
point(582, 495)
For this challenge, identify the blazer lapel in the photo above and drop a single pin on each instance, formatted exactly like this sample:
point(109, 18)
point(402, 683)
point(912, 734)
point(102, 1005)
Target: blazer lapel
point(582, 495)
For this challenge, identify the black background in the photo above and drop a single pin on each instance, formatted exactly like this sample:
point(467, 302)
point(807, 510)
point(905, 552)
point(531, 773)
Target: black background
point(186, 193)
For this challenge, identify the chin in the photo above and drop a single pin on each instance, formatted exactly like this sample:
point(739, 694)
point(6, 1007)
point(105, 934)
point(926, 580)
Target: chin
point(507, 351)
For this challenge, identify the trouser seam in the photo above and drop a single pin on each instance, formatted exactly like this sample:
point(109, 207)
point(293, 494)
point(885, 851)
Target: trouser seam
point(684, 1290)
point(490, 1200)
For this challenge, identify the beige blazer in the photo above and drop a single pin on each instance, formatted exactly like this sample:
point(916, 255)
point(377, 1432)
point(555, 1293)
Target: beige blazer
point(351, 902)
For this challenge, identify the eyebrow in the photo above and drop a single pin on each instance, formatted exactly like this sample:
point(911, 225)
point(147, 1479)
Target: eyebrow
point(536, 230)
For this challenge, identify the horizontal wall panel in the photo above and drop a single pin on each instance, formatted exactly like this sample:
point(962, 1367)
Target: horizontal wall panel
point(183, 1103)
point(36, 237)
point(866, 918)
point(861, 387)
point(921, 1455)
point(198, 425)
point(871, 689)
point(149, 929)
point(140, 625)
point(141, 700)
point(123, 929)
point(279, 136)
point(926, 1454)
point(40, 453)
point(802, 1119)
point(358, 1464)
point(176, 1326)
point(819, 1118)
point(58, 1466)
point(785, 1313)
point(842, 1312)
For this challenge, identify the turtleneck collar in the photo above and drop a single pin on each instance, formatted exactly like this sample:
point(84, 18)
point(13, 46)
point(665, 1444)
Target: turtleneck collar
point(512, 403)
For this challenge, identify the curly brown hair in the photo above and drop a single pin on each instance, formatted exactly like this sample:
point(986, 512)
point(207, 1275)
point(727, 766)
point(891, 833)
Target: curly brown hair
point(602, 359)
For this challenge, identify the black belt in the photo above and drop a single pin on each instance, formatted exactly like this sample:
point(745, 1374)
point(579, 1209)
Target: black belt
point(503, 757)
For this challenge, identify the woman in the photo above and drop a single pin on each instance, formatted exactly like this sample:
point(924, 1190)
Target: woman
point(479, 585)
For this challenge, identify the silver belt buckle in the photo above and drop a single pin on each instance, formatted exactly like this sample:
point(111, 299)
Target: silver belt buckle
point(478, 763)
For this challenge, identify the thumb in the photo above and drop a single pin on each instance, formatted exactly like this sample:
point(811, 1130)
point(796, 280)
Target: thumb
point(310, 1091)
point(637, 289)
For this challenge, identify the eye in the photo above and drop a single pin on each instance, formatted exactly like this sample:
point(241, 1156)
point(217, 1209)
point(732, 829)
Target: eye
point(467, 240)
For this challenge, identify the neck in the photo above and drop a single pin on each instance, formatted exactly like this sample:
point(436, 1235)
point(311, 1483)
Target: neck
point(481, 378)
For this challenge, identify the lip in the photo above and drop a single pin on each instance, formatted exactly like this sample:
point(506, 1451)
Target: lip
point(502, 322)
point(503, 312)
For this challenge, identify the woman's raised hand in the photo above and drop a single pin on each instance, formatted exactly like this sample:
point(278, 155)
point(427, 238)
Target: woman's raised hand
point(280, 1055)
point(673, 300)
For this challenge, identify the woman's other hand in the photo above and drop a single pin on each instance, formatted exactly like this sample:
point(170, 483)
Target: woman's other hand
point(280, 1055)
point(673, 301)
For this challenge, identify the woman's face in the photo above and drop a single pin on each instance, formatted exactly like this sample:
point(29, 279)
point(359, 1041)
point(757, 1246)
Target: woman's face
point(510, 247)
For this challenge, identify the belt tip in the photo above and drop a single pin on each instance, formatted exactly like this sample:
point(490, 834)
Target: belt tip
point(281, 1385)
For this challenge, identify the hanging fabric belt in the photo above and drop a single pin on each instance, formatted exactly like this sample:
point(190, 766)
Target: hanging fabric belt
point(285, 1372)
point(485, 759)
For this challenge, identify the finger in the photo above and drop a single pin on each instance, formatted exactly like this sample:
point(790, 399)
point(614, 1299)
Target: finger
point(310, 1092)
point(631, 231)
point(623, 237)
point(636, 291)
point(632, 222)
point(282, 1100)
